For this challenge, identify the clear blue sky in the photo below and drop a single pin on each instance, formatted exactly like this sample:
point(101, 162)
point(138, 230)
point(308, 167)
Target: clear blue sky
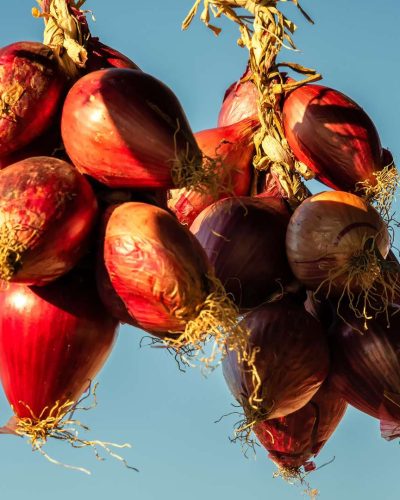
point(143, 399)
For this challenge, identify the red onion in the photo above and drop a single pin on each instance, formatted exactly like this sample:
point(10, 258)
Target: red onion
point(232, 148)
point(47, 212)
point(53, 341)
point(293, 440)
point(240, 101)
point(31, 90)
point(366, 368)
point(336, 244)
point(333, 136)
point(244, 239)
point(161, 273)
point(292, 360)
point(127, 129)
point(102, 56)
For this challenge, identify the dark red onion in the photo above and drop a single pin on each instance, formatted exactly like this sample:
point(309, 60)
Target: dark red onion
point(127, 129)
point(240, 101)
point(101, 56)
point(292, 361)
point(333, 136)
point(293, 440)
point(244, 239)
point(31, 90)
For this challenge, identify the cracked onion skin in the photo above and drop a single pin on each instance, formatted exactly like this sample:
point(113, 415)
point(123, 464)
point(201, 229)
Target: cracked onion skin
point(333, 136)
point(56, 208)
point(292, 362)
point(293, 440)
point(53, 342)
point(31, 90)
point(155, 265)
point(325, 232)
point(125, 128)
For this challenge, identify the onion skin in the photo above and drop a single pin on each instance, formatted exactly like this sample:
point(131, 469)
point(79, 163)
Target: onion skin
point(101, 56)
point(56, 208)
point(326, 231)
point(240, 102)
point(120, 126)
point(53, 341)
point(233, 148)
point(293, 360)
point(293, 440)
point(333, 136)
point(366, 367)
point(244, 239)
point(156, 266)
point(32, 88)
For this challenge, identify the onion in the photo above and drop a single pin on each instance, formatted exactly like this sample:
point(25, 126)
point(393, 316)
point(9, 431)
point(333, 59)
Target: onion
point(292, 361)
point(31, 89)
point(53, 342)
point(333, 136)
point(336, 243)
point(159, 270)
point(293, 440)
point(102, 56)
point(232, 148)
point(244, 239)
point(240, 101)
point(47, 212)
point(366, 368)
point(127, 129)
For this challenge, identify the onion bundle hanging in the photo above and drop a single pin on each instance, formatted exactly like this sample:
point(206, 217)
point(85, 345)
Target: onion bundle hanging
point(232, 149)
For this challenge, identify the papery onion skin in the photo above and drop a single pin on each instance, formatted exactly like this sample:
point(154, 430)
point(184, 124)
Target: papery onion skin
point(125, 128)
point(53, 341)
point(333, 136)
point(326, 231)
point(155, 265)
point(233, 149)
point(31, 90)
point(240, 101)
point(366, 367)
point(293, 440)
point(47, 214)
point(244, 239)
point(292, 363)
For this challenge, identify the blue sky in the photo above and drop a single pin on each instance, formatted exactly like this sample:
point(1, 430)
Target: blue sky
point(169, 416)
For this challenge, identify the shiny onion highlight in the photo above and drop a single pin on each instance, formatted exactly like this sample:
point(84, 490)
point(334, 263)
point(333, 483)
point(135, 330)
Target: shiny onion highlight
point(232, 149)
point(334, 137)
point(53, 342)
point(292, 361)
point(161, 273)
point(336, 244)
point(244, 239)
point(366, 368)
point(31, 90)
point(240, 101)
point(47, 213)
point(292, 441)
point(125, 128)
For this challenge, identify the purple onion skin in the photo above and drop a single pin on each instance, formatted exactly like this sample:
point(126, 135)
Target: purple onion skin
point(244, 239)
point(366, 366)
point(293, 360)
